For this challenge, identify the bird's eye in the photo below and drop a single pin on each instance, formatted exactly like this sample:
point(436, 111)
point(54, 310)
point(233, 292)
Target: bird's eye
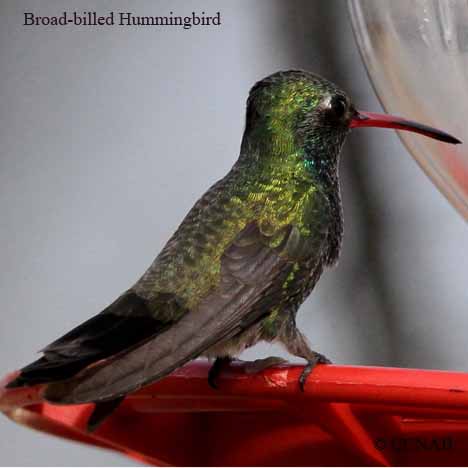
point(338, 106)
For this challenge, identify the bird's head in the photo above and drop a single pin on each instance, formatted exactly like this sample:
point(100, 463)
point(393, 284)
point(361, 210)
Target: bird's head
point(296, 109)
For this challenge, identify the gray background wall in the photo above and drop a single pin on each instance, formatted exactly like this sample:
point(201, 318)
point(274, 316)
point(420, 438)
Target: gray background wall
point(109, 135)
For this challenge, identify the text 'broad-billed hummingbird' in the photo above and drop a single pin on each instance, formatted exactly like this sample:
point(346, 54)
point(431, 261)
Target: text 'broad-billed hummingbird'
point(240, 264)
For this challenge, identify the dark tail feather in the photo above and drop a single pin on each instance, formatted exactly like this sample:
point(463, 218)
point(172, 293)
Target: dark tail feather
point(46, 370)
point(125, 323)
point(101, 410)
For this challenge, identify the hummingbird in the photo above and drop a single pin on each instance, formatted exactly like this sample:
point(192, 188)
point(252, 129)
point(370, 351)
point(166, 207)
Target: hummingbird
point(240, 264)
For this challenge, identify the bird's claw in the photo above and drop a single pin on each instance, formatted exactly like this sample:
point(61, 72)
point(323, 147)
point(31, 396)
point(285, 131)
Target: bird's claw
point(254, 367)
point(317, 359)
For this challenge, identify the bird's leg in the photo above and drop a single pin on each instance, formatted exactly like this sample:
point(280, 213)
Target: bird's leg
point(216, 369)
point(296, 343)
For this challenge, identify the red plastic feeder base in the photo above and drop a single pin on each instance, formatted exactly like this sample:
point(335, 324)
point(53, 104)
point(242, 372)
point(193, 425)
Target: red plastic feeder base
point(346, 416)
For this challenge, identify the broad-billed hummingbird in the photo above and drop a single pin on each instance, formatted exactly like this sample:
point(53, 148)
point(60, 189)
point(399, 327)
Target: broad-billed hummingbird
point(240, 264)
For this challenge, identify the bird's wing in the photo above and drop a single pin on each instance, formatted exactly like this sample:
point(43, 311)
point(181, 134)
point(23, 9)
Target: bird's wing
point(252, 268)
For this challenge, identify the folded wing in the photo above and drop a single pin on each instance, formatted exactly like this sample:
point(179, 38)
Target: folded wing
point(252, 269)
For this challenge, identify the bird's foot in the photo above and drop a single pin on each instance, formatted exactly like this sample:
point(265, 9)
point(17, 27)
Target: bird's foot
point(254, 367)
point(317, 358)
point(216, 369)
